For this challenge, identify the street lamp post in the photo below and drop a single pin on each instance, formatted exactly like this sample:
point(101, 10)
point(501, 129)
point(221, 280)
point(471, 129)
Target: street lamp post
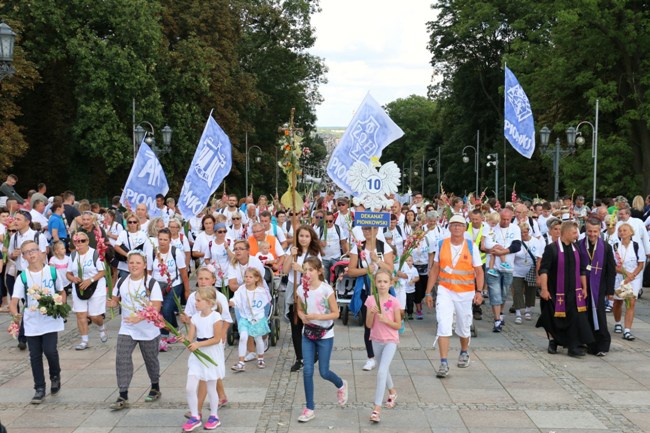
point(7, 39)
point(493, 161)
point(476, 157)
point(574, 136)
point(557, 153)
point(140, 133)
point(258, 159)
point(430, 169)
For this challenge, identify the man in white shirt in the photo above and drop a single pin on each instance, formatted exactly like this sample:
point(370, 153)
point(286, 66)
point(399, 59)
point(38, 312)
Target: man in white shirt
point(344, 217)
point(37, 214)
point(231, 209)
point(398, 234)
point(334, 243)
point(273, 229)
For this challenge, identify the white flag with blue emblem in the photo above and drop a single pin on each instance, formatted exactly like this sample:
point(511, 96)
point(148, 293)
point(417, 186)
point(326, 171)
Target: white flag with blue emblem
point(211, 164)
point(368, 133)
point(518, 123)
point(146, 180)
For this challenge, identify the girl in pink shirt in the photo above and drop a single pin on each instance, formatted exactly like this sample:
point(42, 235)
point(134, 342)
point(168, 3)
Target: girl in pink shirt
point(384, 324)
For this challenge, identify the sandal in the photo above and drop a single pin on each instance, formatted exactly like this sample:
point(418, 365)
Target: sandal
point(119, 404)
point(627, 335)
point(374, 417)
point(222, 403)
point(154, 395)
point(390, 403)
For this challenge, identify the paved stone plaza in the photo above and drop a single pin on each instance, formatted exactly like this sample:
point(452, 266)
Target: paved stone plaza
point(512, 385)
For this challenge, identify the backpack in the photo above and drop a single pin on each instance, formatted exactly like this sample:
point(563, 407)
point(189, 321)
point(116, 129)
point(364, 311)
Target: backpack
point(148, 287)
point(380, 249)
point(23, 278)
point(95, 256)
point(399, 230)
point(636, 248)
point(36, 239)
point(470, 245)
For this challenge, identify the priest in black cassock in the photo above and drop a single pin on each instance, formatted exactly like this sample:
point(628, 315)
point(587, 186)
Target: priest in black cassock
point(601, 276)
point(564, 294)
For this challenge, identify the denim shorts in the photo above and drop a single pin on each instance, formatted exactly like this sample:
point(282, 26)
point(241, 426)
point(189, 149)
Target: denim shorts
point(498, 287)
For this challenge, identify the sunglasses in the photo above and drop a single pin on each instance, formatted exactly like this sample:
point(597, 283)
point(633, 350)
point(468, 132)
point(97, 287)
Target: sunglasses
point(221, 232)
point(80, 241)
point(235, 218)
point(330, 221)
point(131, 222)
point(341, 204)
point(318, 217)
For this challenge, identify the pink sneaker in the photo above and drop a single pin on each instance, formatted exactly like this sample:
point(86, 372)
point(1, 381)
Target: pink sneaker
point(342, 394)
point(162, 346)
point(191, 424)
point(172, 339)
point(212, 423)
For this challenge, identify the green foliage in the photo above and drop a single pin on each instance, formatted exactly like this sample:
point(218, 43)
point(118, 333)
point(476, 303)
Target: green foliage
point(246, 61)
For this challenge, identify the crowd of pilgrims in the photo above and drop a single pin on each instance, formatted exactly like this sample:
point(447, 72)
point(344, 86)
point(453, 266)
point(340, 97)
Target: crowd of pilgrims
point(581, 262)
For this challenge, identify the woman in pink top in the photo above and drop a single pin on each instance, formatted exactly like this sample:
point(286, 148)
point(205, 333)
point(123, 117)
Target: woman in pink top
point(384, 324)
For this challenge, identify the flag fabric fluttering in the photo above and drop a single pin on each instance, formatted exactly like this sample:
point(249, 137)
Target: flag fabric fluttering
point(145, 181)
point(518, 123)
point(368, 133)
point(211, 164)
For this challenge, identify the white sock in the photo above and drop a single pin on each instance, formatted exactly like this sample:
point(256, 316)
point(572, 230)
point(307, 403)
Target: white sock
point(627, 329)
point(518, 313)
point(501, 317)
point(527, 309)
point(84, 339)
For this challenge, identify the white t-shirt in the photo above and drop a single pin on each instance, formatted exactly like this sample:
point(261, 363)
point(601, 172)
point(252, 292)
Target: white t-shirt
point(333, 248)
point(133, 299)
point(202, 242)
point(35, 322)
point(181, 243)
point(190, 307)
point(89, 269)
point(131, 240)
point(523, 261)
point(228, 213)
point(404, 283)
point(17, 240)
point(38, 217)
point(238, 270)
point(114, 229)
point(318, 303)
point(250, 303)
point(61, 266)
point(504, 237)
point(265, 257)
point(173, 266)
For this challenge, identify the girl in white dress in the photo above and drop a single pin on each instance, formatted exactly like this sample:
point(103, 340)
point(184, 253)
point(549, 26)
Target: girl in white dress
point(206, 327)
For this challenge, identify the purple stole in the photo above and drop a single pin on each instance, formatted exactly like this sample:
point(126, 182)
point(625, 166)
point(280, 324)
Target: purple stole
point(595, 264)
point(560, 300)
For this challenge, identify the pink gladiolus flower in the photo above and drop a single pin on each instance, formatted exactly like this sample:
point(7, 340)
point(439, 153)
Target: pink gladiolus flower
point(14, 329)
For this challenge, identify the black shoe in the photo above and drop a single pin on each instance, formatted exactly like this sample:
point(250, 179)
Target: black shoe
point(512, 310)
point(478, 315)
point(56, 385)
point(39, 396)
point(552, 347)
point(22, 345)
point(296, 366)
point(576, 353)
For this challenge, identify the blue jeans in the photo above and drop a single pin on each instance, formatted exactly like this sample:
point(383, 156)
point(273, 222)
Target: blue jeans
point(324, 348)
point(169, 309)
point(498, 287)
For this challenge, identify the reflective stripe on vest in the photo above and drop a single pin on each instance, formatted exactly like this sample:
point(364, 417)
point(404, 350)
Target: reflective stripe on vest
point(460, 278)
point(470, 230)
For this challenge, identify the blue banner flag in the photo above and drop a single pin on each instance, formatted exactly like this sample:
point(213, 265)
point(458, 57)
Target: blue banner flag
point(146, 179)
point(518, 123)
point(368, 133)
point(211, 164)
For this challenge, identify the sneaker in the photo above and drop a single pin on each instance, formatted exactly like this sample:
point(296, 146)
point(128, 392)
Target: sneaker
point(519, 320)
point(103, 337)
point(342, 394)
point(306, 416)
point(212, 423)
point(250, 357)
point(419, 315)
point(239, 367)
point(39, 396)
point(56, 385)
point(22, 345)
point(369, 365)
point(162, 346)
point(463, 360)
point(410, 318)
point(172, 339)
point(608, 308)
point(296, 366)
point(528, 316)
point(493, 272)
point(618, 328)
point(192, 424)
point(443, 370)
point(260, 363)
point(81, 346)
point(402, 329)
point(497, 326)
point(505, 267)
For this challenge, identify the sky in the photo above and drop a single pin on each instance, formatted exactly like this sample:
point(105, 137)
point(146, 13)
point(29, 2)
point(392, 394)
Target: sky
point(376, 46)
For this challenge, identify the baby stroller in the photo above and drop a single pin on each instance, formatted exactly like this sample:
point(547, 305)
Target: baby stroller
point(343, 287)
point(271, 314)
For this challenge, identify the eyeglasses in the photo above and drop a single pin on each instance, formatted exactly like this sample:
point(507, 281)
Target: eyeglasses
point(221, 232)
point(28, 252)
point(319, 217)
point(80, 241)
point(259, 231)
point(341, 204)
point(131, 222)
